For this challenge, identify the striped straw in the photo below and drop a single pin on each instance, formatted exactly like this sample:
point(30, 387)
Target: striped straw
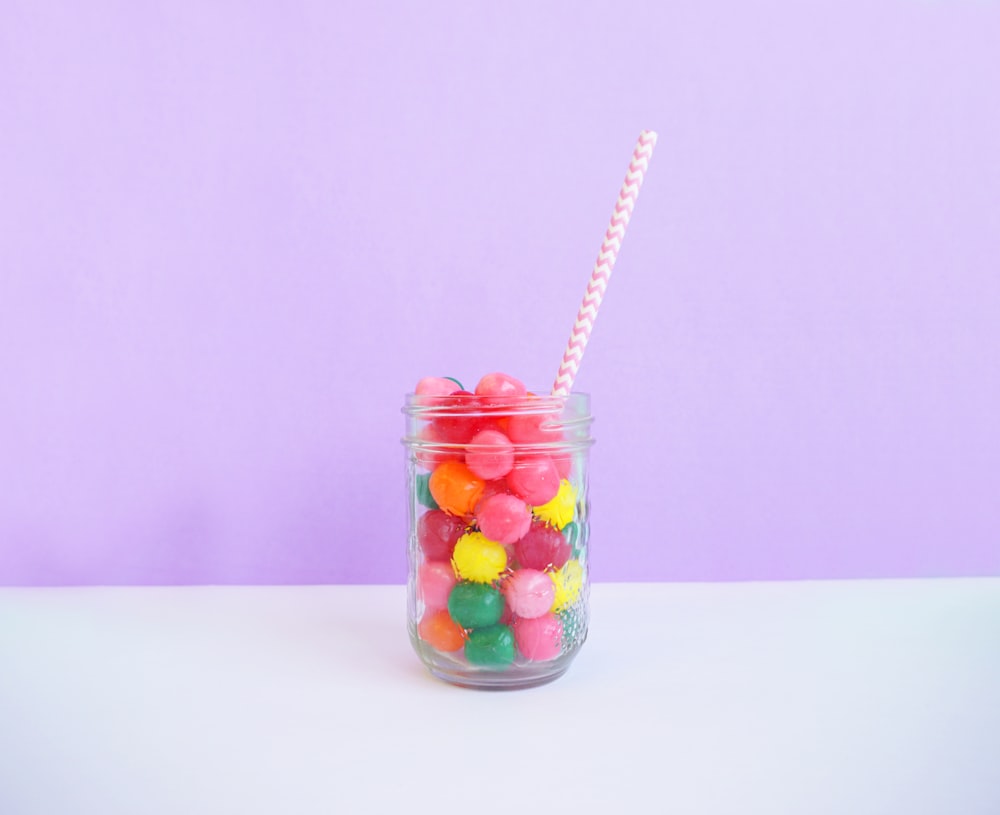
point(605, 264)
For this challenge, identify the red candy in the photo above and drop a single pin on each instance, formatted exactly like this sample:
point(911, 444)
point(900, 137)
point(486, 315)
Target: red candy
point(539, 638)
point(437, 532)
point(535, 479)
point(542, 548)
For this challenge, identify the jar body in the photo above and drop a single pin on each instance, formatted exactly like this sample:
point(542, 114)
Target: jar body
point(498, 586)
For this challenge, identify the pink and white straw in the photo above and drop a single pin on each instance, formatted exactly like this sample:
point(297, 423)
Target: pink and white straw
point(605, 264)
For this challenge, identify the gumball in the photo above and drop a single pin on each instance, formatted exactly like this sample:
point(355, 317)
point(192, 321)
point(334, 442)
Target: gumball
point(534, 428)
point(424, 491)
point(542, 547)
point(534, 478)
point(503, 518)
point(433, 386)
point(437, 532)
point(539, 638)
point(529, 593)
point(435, 580)
point(489, 455)
point(560, 510)
point(564, 464)
point(478, 559)
point(438, 449)
point(500, 389)
point(568, 582)
point(440, 631)
point(493, 488)
point(455, 488)
point(492, 646)
point(473, 605)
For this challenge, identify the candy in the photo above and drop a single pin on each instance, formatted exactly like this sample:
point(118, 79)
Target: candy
point(500, 389)
point(473, 605)
point(568, 582)
point(455, 488)
point(503, 518)
point(437, 532)
point(440, 631)
point(435, 580)
point(539, 638)
point(424, 491)
point(542, 548)
point(534, 478)
point(478, 559)
point(489, 455)
point(559, 511)
point(492, 646)
point(431, 386)
point(529, 593)
point(572, 534)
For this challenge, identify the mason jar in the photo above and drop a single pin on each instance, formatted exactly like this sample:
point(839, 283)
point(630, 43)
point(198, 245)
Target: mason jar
point(498, 586)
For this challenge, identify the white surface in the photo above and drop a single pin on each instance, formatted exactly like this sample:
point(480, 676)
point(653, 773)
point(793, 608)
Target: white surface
point(814, 697)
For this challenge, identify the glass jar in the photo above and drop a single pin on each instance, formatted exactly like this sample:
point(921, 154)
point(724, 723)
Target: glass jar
point(498, 538)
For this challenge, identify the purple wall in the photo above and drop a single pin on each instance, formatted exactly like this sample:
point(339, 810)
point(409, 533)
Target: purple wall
point(230, 239)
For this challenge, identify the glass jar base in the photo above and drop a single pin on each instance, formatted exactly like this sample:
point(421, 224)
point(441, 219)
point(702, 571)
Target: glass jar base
point(456, 671)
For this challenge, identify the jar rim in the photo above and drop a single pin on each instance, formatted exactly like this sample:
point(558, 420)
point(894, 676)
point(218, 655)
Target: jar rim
point(471, 405)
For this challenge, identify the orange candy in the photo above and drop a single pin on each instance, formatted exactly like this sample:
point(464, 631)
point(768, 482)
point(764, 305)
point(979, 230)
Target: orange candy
point(455, 488)
point(440, 631)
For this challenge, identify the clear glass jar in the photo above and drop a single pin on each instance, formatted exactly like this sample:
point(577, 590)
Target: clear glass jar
point(498, 585)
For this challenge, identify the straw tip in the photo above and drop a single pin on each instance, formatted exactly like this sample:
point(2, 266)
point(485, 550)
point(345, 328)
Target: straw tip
point(648, 137)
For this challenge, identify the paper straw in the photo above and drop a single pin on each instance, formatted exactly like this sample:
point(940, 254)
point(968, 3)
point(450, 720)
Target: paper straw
point(605, 264)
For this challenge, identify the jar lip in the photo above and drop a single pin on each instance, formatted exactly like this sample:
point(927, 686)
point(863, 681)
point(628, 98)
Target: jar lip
point(472, 405)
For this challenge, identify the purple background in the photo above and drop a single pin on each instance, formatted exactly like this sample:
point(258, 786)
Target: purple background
point(232, 236)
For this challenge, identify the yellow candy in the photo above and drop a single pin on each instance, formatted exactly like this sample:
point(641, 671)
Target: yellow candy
point(559, 511)
point(568, 582)
point(478, 559)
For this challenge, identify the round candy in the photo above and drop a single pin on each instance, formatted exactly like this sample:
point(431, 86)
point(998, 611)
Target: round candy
point(436, 451)
point(568, 582)
point(503, 518)
point(534, 428)
point(539, 638)
point(473, 605)
point(500, 389)
point(435, 580)
point(542, 548)
point(478, 559)
point(455, 488)
point(433, 386)
point(424, 491)
point(493, 488)
point(440, 631)
point(491, 647)
point(437, 532)
point(534, 478)
point(489, 455)
point(560, 510)
point(529, 593)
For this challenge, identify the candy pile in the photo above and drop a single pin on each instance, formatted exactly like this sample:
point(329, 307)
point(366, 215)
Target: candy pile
point(499, 568)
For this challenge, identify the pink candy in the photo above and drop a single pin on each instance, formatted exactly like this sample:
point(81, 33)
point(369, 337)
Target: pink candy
point(435, 580)
point(490, 455)
point(529, 593)
point(534, 479)
point(503, 518)
point(539, 638)
point(500, 389)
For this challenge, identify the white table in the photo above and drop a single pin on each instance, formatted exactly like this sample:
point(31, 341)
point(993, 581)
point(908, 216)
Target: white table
point(808, 698)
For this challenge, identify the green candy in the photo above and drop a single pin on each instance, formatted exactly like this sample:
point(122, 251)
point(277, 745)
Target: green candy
point(473, 605)
point(424, 491)
point(492, 646)
point(461, 387)
point(572, 534)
